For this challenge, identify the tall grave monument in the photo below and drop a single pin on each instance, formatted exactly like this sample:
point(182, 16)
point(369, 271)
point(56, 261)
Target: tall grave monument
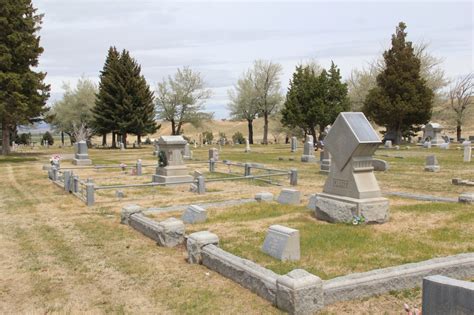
point(81, 156)
point(351, 189)
point(171, 168)
point(308, 150)
point(432, 133)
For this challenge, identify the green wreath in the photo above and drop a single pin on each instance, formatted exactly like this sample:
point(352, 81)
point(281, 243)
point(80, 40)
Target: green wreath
point(162, 160)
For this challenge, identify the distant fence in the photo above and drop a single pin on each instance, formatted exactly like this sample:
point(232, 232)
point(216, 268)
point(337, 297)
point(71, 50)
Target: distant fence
point(85, 190)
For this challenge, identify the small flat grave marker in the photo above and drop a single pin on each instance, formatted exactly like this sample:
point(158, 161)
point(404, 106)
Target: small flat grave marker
point(282, 243)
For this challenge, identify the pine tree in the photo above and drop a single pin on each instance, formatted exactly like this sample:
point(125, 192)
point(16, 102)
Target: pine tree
point(23, 93)
point(401, 101)
point(314, 100)
point(108, 97)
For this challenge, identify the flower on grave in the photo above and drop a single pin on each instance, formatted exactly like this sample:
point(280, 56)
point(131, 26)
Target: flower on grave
point(54, 160)
point(123, 166)
point(356, 220)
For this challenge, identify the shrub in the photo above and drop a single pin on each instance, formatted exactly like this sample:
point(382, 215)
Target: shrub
point(207, 136)
point(147, 140)
point(25, 138)
point(238, 137)
point(48, 137)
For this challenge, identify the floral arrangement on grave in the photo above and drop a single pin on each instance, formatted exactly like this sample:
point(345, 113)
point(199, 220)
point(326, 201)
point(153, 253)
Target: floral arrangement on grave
point(123, 166)
point(357, 220)
point(55, 159)
point(162, 159)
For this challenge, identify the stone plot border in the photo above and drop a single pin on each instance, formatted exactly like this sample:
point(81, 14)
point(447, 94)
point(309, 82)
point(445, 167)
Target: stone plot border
point(297, 292)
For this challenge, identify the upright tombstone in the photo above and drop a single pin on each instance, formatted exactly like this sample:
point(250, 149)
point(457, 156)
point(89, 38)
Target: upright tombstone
point(247, 146)
point(432, 133)
point(308, 150)
point(351, 189)
point(467, 151)
point(171, 168)
point(388, 144)
point(431, 164)
point(294, 144)
point(187, 155)
point(81, 157)
point(325, 162)
point(282, 243)
point(214, 154)
point(427, 144)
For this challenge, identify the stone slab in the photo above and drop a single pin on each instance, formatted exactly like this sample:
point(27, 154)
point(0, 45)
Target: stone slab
point(380, 165)
point(248, 274)
point(264, 197)
point(169, 180)
point(282, 243)
point(127, 211)
point(466, 198)
point(82, 162)
point(359, 285)
point(447, 296)
point(196, 242)
point(194, 214)
point(289, 197)
point(168, 233)
point(299, 292)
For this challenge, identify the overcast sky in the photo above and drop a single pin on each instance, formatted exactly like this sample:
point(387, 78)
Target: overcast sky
point(222, 39)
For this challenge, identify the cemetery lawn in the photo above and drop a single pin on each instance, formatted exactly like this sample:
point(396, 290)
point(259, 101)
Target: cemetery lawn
point(60, 256)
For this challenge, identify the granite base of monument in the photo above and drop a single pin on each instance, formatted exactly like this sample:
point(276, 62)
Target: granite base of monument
point(309, 159)
point(82, 162)
point(172, 175)
point(339, 209)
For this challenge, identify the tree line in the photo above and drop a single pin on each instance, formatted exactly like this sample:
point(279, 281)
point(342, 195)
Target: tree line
point(397, 91)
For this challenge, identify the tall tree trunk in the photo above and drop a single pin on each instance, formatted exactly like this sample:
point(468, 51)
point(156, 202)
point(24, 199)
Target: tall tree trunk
point(62, 138)
point(124, 139)
point(139, 140)
point(458, 131)
point(104, 139)
point(173, 128)
point(265, 128)
point(250, 126)
point(114, 143)
point(5, 137)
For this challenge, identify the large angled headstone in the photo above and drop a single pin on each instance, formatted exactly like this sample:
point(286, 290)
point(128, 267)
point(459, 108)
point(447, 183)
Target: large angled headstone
point(171, 168)
point(351, 189)
point(432, 133)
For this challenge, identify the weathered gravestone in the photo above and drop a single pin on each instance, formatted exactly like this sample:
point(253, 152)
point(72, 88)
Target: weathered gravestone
point(289, 197)
point(431, 164)
point(467, 151)
point(171, 168)
point(380, 165)
point(156, 148)
point(264, 197)
point(351, 188)
point(214, 154)
point(325, 162)
point(187, 154)
point(432, 133)
point(194, 214)
point(294, 144)
point(282, 243)
point(81, 157)
point(308, 150)
point(388, 144)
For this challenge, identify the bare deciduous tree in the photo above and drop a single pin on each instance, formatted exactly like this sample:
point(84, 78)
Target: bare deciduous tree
point(180, 99)
point(81, 132)
point(461, 97)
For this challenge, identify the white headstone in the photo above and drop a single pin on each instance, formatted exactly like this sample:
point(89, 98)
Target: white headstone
point(388, 144)
point(247, 145)
point(294, 144)
point(282, 243)
point(431, 164)
point(194, 214)
point(467, 151)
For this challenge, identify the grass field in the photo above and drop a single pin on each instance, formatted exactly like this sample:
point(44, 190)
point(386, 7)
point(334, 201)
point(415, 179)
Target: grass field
point(60, 256)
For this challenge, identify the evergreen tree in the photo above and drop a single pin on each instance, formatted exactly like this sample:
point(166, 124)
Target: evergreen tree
point(314, 100)
point(124, 103)
point(401, 101)
point(104, 111)
point(23, 93)
point(135, 110)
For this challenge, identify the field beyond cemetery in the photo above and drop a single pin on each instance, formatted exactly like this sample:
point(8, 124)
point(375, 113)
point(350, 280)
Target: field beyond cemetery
point(58, 255)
